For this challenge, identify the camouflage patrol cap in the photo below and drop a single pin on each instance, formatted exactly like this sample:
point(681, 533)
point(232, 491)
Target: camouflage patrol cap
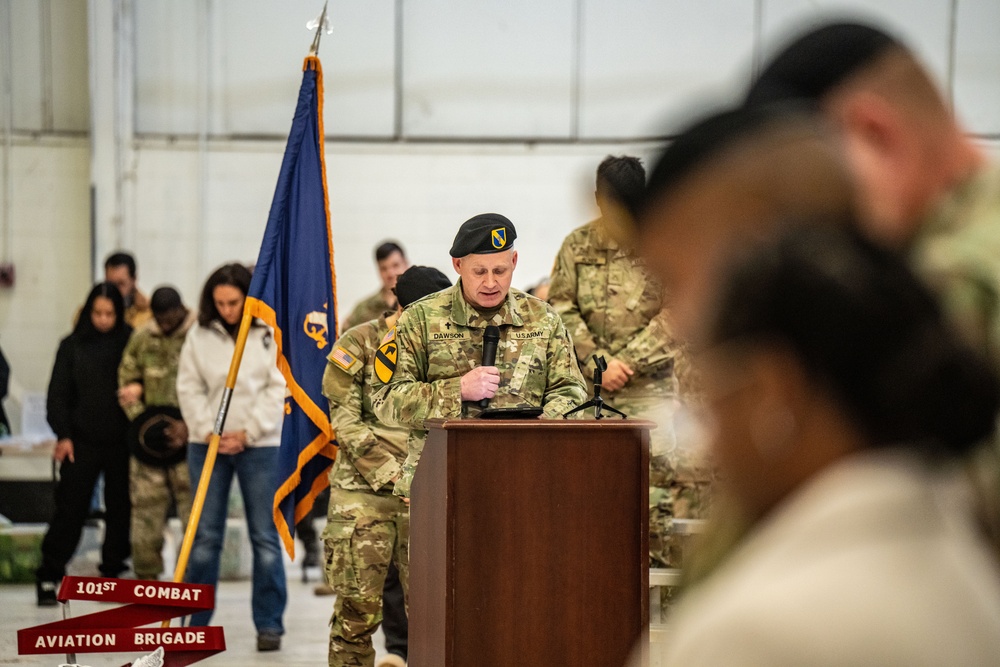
point(484, 234)
point(417, 282)
point(148, 440)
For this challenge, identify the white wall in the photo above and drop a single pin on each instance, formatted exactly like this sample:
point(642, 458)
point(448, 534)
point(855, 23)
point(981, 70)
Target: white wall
point(417, 194)
point(543, 74)
point(51, 246)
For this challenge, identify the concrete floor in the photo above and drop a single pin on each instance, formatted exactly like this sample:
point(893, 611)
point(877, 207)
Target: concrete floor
point(304, 643)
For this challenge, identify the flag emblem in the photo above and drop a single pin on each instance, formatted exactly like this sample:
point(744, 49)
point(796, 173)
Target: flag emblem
point(499, 237)
point(315, 327)
point(385, 361)
point(342, 358)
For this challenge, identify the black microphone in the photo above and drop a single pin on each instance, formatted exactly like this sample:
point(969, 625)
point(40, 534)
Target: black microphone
point(490, 339)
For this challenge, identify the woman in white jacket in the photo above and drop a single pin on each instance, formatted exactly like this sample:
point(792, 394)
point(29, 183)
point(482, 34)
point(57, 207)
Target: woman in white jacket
point(248, 448)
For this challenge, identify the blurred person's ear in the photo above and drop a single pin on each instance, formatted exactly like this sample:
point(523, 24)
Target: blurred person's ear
point(882, 152)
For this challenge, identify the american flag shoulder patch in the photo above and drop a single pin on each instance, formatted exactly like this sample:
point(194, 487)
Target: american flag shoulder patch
point(390, 335)
point(343, 358)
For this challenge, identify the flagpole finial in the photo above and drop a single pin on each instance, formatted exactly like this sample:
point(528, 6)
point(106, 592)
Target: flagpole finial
point(320, 24)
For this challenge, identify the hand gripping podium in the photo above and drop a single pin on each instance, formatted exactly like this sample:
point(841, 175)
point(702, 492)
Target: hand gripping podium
point(529, 543)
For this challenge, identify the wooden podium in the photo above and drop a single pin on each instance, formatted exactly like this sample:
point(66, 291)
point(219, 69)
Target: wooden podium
point(529, 543)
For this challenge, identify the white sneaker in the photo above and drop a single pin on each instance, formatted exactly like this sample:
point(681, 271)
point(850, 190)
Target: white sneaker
point(391, 660)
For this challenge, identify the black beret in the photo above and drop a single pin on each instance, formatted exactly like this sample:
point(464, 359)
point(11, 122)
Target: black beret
point(417, 282)
point(483, 234)
point(706, 138)
point(819, 60)
point(147, 437)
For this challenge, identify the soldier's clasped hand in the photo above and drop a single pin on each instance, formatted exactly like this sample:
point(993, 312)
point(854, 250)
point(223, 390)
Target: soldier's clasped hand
point(129, 394)
point(617, 375)
point(480, 383)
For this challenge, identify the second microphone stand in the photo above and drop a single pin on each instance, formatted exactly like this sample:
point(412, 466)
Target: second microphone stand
point(597, 402)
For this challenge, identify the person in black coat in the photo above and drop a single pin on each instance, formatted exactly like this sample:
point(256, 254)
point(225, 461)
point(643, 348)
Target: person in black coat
point(82, 408)
point(4, 385)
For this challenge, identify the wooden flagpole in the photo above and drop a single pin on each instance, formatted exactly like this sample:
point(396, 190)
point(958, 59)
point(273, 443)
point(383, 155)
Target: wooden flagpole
point(220, 420)
point(213, 451)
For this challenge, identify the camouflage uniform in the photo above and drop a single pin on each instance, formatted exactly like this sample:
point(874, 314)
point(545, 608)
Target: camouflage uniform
point(613, 308)
point(138, 312)
point(152, 359)
point(957, 252)
point(369, 308)
point(367, 525)
point(440, 339)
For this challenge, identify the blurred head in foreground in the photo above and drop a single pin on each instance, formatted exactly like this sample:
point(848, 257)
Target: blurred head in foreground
point(839, 399)
point(822, 345)
point(904, 145)
point(727, 177)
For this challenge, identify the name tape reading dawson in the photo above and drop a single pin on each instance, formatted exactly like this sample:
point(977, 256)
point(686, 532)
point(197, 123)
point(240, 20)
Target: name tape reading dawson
point(464, 335)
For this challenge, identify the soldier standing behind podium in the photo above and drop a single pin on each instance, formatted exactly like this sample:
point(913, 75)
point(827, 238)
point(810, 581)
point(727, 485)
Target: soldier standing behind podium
point(147, 378)
point(391, 262)
point(614, 309)
point(367, 526)
point(434, 368)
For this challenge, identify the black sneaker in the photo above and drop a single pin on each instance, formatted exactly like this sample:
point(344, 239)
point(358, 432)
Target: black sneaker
point(268, 640)
point(46, 592)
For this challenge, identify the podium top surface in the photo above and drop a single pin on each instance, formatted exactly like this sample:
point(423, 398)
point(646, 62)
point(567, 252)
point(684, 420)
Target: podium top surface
point(612, 423)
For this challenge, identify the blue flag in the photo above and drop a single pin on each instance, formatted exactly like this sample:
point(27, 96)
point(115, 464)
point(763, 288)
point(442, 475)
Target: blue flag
point(293, 291)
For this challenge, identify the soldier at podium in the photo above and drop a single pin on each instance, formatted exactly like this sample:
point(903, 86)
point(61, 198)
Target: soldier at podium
point(434, 368)
point(367, 525)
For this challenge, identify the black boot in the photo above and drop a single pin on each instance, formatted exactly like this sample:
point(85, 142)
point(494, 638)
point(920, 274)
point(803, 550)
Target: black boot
point(46, 592)
point(311, 557)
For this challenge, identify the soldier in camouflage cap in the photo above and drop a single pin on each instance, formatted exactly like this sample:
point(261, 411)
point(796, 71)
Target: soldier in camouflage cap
point(433, 368)
point(147, 376)
point(390, 258)
point(613, 308)
point(367, 526)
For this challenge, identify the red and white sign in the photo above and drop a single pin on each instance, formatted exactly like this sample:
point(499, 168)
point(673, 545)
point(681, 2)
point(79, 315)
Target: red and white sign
point(119, 630)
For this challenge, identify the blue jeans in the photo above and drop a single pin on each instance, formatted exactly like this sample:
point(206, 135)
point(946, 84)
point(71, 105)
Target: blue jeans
point(255, 468)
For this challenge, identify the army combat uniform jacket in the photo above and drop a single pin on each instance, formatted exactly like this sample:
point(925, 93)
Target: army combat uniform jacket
point(370, 453)
point(613, 308)
point(440, 338)
point(152, 359)
point(957, 253)
point(370, 308)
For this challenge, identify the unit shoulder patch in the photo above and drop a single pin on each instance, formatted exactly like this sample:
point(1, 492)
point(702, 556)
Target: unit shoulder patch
point(385, 361)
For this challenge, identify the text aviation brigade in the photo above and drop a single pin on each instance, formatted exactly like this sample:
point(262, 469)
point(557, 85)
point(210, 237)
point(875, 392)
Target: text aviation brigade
point(98, 639)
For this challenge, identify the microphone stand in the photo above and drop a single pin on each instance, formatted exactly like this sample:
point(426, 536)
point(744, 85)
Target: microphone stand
point(597, 402)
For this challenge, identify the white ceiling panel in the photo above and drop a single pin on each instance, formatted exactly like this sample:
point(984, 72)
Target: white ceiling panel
point(491, 68)
point(642, 59)
point(168, 56)
point(977, 65)
point(923, 24)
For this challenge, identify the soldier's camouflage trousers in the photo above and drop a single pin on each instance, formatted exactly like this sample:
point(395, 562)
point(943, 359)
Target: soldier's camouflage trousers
point(364, 532)
point(679, 485)
point(152, 489)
